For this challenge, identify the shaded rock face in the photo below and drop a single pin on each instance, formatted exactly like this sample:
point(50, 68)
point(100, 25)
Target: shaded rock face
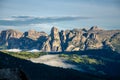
point(115, 42)
point(7, 35)
point(108, 45)
point(46, 47)
point(63, 39)
point(68, 40)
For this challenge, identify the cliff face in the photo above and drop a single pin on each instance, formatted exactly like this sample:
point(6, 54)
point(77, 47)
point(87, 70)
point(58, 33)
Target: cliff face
point(8, 36)
point(55, 40)
point(68, 40)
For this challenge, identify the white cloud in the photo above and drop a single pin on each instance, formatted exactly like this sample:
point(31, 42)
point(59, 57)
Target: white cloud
point(8, 19)
point(27, 20)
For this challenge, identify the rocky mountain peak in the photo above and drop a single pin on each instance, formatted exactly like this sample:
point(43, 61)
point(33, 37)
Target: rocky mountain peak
point(55, 42)
point(55, 33)
point(68, 40)
point(34, 34)
point(54, 30)
point(31, 31)
point(6, 35)
point(84, 30)
point(95, 28)
point(11, 33)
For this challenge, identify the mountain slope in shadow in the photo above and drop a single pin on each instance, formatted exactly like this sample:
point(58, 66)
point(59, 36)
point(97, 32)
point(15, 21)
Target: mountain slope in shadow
point(35, 71)
point(109, 62)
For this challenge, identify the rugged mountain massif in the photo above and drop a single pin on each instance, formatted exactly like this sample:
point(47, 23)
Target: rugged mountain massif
point(65, 40)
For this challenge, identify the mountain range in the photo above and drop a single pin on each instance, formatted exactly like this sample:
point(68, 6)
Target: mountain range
point(60, 41)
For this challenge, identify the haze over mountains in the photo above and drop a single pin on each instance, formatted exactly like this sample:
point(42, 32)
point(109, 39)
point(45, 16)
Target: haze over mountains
point(58, 41)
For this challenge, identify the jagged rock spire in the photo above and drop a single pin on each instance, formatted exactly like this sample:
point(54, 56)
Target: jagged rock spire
point(55, 39)
point(95, 28)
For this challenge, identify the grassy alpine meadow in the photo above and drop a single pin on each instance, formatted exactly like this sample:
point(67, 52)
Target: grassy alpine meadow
point(81, 59)
point(25, 54)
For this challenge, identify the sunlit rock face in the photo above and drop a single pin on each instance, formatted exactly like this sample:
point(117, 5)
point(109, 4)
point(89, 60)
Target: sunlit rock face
point(95, 28)
point(64, 40)
point(55, 40)
point(93, 42)
point(34, 34)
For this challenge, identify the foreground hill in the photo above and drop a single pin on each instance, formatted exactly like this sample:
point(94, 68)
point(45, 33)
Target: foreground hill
point(89, 64)
point(12, 68)
point(57, 41)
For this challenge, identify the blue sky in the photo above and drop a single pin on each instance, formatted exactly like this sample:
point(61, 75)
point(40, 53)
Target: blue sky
point(41, 15)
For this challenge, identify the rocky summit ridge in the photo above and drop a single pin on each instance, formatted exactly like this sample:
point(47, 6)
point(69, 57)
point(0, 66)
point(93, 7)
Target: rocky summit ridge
point(64, 40)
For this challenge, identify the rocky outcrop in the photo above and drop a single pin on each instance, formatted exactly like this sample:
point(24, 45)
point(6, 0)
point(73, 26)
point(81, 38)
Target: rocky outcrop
point(74, 38)
point(34, 34)
point(115, 42)
point(95, 28)
point(7, 35)
point(65, 40)
point(46, 45)
point(55, 40)
point(93, 42)
point(108, 45)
